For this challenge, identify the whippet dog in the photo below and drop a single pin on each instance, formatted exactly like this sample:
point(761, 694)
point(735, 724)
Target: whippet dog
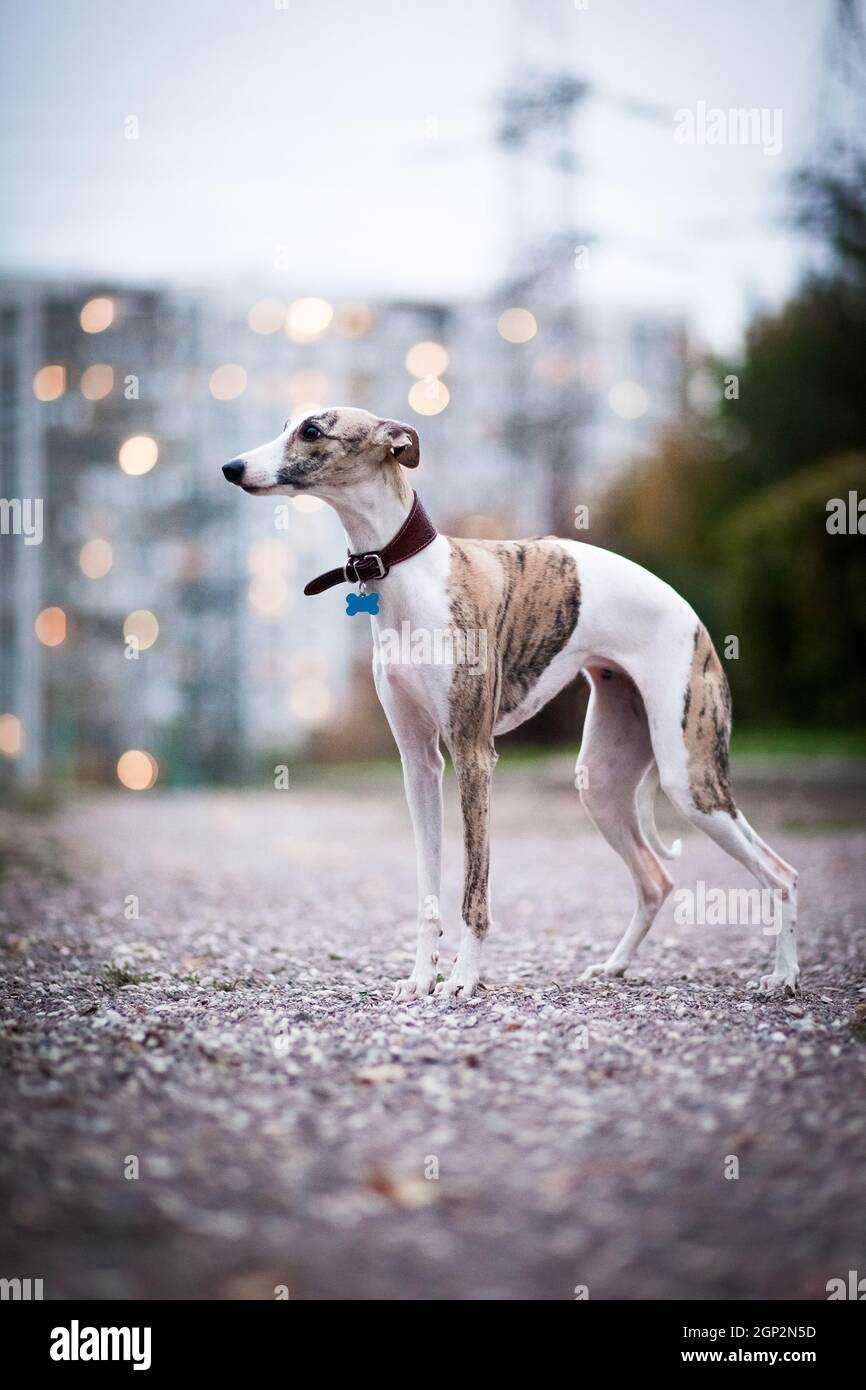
point(659, 708)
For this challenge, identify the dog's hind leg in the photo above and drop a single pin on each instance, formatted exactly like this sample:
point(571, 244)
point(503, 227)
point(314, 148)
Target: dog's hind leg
point(689, 708)
point(615, 757)
point(646, 807)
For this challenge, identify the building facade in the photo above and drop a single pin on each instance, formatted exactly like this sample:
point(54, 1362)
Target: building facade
point(159, 615)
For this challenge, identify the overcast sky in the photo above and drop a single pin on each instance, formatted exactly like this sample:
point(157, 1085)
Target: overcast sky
point(359, 136)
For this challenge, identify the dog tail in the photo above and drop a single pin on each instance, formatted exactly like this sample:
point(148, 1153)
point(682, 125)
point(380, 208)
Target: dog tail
point(646, 799)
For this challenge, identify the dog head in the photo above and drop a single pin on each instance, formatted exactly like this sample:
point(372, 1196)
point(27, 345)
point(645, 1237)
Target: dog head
point(325, 452)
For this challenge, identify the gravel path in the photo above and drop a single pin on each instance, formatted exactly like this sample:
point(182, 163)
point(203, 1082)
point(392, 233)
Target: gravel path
point(235, 1044)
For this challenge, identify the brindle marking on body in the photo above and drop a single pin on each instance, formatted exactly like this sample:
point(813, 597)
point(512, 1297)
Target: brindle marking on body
point(525, 595)
point(706, 727)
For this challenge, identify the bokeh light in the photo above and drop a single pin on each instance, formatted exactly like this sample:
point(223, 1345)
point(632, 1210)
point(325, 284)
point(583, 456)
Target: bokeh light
point(97, 381)
point(138, 454)
point(97, 315)
point(517, 325)
point(49, 382)
point(96, 559)
point(268, 556)
point(268, 595)
point(137, 770)
point(267, 316)
point(628, 399)
point(426, 359)
point(307, 319)
point(354, 320)
point(141, 625)
point(191, 562)
point(555, 368)
point(11, 735)
point(50, 627)
point(310, 700)
point(228, 382)
point(429, 397)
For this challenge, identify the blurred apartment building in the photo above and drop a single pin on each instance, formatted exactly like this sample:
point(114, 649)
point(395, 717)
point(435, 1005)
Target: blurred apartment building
point(161, 619)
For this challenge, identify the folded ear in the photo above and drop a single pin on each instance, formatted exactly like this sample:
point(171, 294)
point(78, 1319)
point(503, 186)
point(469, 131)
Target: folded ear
point(402, 441)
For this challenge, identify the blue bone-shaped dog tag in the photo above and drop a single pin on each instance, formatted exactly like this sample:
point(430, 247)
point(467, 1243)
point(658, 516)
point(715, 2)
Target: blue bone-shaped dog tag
point(362, 603)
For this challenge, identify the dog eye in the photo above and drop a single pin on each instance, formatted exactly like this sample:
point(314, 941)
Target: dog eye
point(310, 432)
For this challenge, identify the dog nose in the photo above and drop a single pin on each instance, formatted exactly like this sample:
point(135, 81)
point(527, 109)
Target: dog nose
point(234, 471)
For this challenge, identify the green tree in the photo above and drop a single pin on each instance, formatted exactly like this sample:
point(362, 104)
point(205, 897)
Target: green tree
point(796, 595)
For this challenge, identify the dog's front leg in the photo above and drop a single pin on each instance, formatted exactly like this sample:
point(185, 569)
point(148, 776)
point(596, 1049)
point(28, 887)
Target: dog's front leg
point(474, 770)
point(422, 778)
point(417, 738)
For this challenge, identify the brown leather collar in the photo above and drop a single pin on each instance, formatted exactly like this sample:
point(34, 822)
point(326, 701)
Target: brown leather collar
point(416, 532)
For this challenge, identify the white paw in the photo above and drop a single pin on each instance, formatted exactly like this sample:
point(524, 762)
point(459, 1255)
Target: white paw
point(781, 981)
point(604, 968)
point(461, 982)
point(416, 987)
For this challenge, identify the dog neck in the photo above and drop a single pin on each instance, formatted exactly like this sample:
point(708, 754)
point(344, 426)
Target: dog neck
point(371, 513)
